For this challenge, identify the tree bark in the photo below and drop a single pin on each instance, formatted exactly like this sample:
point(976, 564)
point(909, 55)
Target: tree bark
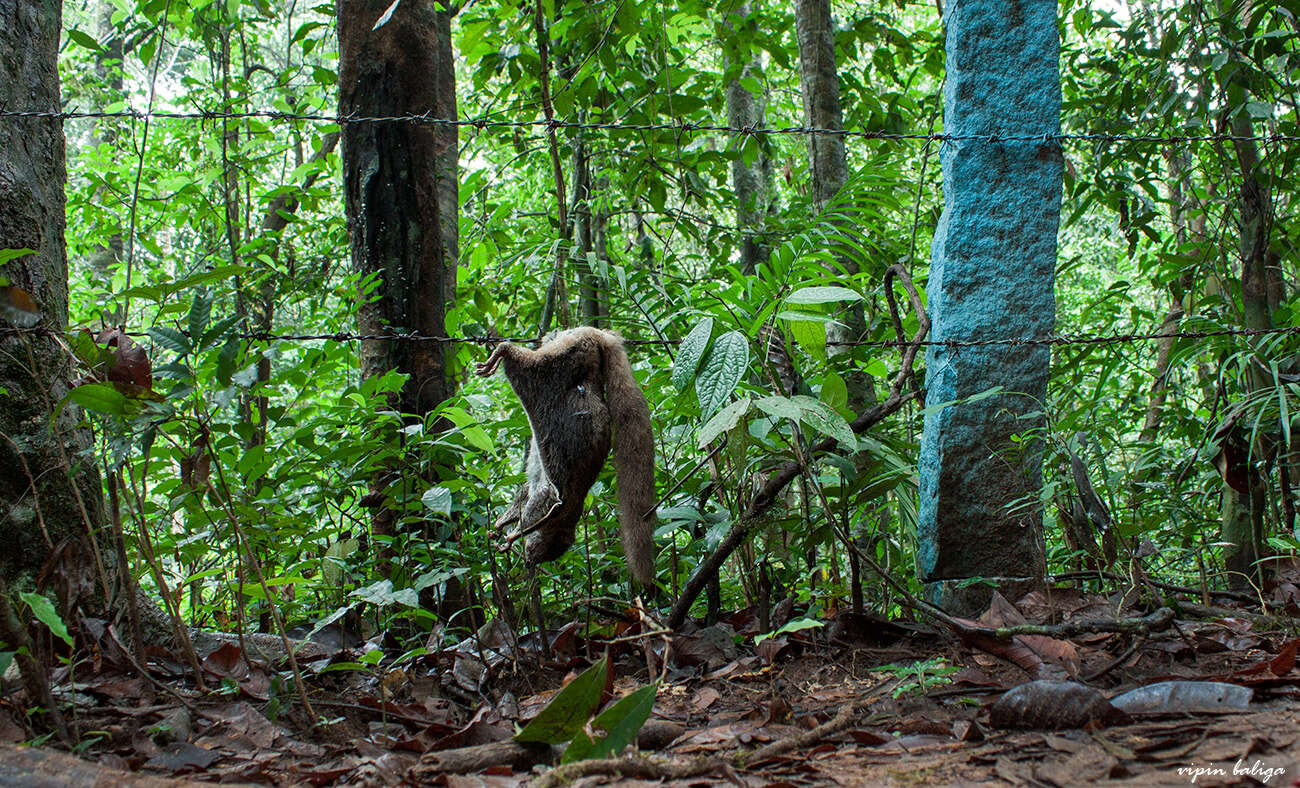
point(50, 493)
point(400, 194)
point(1243, 505)
point(751, 182)
point(820, 85)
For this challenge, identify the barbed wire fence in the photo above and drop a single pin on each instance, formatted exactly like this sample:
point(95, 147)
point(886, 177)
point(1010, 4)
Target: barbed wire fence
point(681, 126)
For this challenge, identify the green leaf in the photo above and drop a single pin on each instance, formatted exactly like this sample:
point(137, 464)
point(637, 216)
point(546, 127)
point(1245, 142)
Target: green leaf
point(824, 419)
point(834, 391)
point(723, 368)
point(200, 313)
point(797, 625)
point(567, 713)
point(780, 407)
point(691, 352)
point(171, 339)
point(803, 409)
point(84, 39)
point(809, 296)
point(44, 611)
point(811, 336)
point(622, 720)
point(438, 500)
point(13, 254)
point(381, 594)
point(98, 397)
point(723, 420)
point(226, 361)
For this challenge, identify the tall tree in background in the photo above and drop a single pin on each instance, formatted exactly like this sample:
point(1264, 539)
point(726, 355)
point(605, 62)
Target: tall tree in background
point(50, 494)
point(820, 84)
point(751, 170)
point(400, 192)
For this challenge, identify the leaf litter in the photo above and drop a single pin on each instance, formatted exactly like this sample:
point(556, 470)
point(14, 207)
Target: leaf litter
point(854, 702)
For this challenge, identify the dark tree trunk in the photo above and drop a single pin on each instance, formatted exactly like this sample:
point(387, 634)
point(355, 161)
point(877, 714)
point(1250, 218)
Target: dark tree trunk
point(750, 181)
point(50, 493)
point(1243, 505)
point(584, 237)
point(400, 192)
point(820, 85)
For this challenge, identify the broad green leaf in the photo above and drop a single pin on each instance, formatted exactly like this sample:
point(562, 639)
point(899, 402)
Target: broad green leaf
point(84, 39)
point(226, 361)
point(98, 397)
point(811, 336)
point(568, 712)
point(691, 352)
point(438, 500)
point(780, 407)
point(381, 593)
point(635, 707)
point(723, 368)
point(808, 296)
point(824, 419)
point(171, 339)
point(723, 420)
point(834, 391)
point(44, 611)
point(13, 254)
point(622, 720)
point(803, 409)
point(797, 625)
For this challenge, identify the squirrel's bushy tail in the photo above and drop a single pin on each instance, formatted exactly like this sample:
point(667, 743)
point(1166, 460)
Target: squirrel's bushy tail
point(634, 459)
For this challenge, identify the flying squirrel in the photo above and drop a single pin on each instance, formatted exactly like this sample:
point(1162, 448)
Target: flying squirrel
point(576, 388)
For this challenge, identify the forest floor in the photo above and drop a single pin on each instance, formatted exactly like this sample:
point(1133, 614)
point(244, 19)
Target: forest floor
point(856, 702)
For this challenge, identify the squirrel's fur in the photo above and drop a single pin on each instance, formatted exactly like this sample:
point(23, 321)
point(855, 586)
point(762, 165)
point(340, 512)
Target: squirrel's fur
point(576, 388)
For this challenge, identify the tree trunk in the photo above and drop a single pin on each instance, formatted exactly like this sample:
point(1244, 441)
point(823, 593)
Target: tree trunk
point(50, 493)
point(820, 85)
point(400, 193)
point(1179, 186)
point(584, 237)
point(750, 181)
point(1243, 509)
point(108, 67)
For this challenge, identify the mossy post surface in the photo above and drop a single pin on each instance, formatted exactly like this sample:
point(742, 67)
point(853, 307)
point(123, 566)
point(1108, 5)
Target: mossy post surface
point(991, 278)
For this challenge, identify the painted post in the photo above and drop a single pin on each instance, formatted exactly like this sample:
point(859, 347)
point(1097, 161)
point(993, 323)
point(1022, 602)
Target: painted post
point(992, 271)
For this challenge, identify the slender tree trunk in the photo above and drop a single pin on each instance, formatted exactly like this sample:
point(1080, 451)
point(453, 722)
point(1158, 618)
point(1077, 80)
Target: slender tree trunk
point(749, 180)
point(108, 67)
point(400, 195)
point(1179, 185)
point(584, 237)
point(820, 84)
point(50, 493)
point(1243, 509)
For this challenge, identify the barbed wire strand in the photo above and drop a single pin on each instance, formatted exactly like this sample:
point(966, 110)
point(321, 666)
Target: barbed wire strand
point(1056, 340)
point(677, 126)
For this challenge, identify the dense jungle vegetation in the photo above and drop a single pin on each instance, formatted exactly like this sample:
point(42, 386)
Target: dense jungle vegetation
point(216, 228)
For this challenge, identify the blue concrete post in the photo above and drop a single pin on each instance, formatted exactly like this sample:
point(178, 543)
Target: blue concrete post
point(991, 278)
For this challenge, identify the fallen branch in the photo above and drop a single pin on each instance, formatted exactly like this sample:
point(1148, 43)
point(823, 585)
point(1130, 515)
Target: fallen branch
point(787, 472)
point(462, 760)
point(1239, 596)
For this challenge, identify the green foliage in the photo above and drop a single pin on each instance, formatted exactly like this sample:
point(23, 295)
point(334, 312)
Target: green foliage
point(219, 428)
point(43, 609)
point(568, 717)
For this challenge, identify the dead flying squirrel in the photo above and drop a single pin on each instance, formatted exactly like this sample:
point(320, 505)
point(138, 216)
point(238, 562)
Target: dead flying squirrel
point(576, 388)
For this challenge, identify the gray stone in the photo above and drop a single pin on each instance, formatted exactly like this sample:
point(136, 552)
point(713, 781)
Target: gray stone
point(991, 278)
